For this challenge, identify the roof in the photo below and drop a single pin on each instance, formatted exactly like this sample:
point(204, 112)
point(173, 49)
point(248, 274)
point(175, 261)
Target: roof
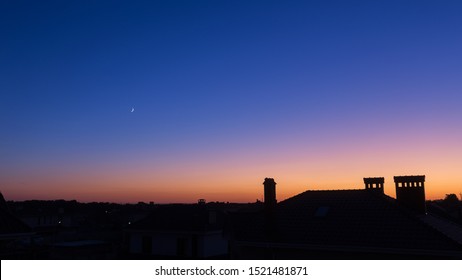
point(193, 217)
point(9, 224)
point(353, 218)
point(449, 228)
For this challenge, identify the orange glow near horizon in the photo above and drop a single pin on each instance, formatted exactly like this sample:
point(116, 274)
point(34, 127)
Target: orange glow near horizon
point(236, 180)
point(237, 175)
point(184, 191)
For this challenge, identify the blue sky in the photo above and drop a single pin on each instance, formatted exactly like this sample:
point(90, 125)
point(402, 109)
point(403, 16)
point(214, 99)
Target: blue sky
point(221, 79)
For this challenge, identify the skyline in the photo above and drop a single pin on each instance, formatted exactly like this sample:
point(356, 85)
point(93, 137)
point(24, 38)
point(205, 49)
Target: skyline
point(317, 95)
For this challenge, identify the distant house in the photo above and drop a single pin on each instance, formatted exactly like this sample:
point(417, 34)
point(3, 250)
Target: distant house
point(346, 224)
point(13, 234)
point(43, 216)
point(178, 232)
point(73, 230)
point(43, 220)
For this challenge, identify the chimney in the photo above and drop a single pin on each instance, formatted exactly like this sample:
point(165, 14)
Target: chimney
point(270, 194)
point(374, 184)
point(410, 192)
point(269, 208)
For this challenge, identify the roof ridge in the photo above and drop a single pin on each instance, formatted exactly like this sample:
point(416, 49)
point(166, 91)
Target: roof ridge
point(320, 191)
point(334, 190)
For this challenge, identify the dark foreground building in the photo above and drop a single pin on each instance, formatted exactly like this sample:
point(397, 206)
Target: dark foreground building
point(179, 232)
point(346, 224)
point(13, 234)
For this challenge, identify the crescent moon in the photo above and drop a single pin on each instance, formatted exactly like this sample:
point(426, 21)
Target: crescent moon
point(133, 110)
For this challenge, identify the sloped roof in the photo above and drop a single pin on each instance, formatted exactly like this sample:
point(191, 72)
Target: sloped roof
point(180, 218)
point(9, 224)
point(357, 218)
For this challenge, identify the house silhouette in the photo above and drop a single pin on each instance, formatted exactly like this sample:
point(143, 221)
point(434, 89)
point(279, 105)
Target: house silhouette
point(178, 231)
point(345, 224)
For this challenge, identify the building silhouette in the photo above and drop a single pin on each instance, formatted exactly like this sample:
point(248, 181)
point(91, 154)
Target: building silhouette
point(345, 224)
point(183, 231)
point(13, 234)
point(315, 224)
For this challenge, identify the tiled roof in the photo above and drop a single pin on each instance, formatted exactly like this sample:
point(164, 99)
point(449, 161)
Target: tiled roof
point(181, 218)
point(357, 218)
point(449, 228)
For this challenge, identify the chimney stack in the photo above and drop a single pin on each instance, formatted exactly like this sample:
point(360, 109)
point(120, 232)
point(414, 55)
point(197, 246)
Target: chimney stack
point(270, 208)
point(374, 184)
point(270, 194)
point(410, 192)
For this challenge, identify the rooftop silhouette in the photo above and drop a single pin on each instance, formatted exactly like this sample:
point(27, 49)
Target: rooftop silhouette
point(315, 224)
point(347, 224)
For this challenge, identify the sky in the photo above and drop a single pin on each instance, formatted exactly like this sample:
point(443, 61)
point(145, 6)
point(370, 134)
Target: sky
point(315, 94)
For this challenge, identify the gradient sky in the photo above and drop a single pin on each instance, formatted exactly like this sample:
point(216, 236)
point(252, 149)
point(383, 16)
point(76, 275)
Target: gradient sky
point(316, 94)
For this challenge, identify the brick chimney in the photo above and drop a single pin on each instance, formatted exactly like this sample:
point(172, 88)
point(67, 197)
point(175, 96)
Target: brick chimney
point(410, 192)
point(374, 184)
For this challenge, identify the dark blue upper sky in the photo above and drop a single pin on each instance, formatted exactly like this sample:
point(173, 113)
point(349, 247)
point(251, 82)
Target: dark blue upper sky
point(219, 77)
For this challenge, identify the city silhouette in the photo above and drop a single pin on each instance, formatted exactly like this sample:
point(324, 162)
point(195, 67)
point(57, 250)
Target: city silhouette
point(315, 224)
